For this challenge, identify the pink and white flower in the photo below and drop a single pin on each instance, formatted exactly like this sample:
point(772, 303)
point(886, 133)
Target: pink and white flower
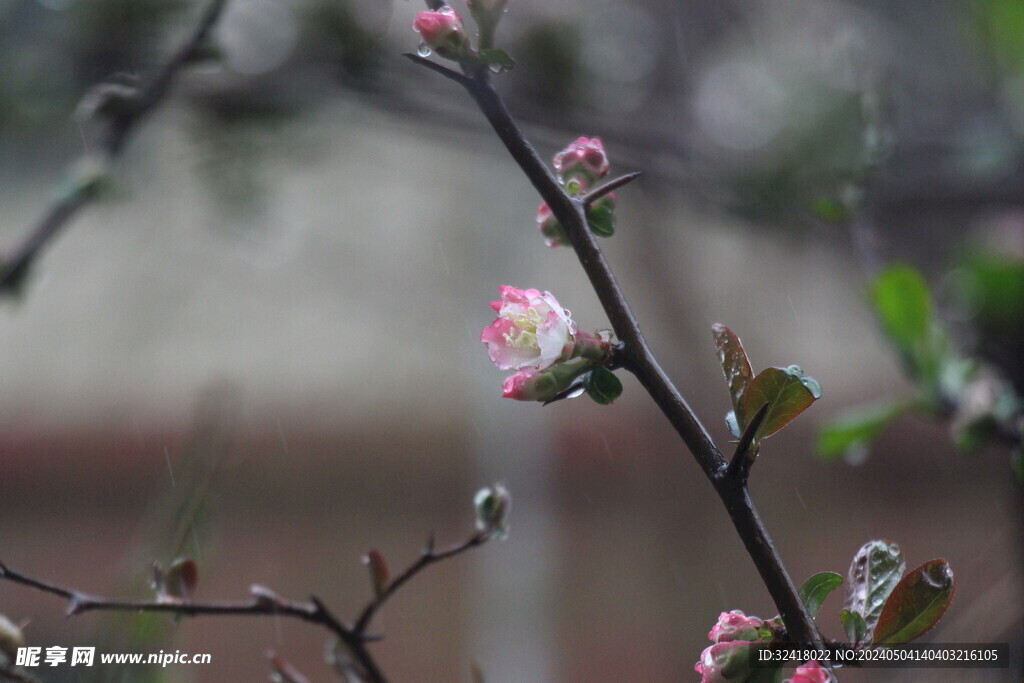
point(442, 31)
point(532, 330)
point(583, 160)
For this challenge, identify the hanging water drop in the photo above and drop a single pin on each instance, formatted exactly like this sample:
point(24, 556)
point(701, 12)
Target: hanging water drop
point(577, 391)
point(495, 68)
point(423, 50)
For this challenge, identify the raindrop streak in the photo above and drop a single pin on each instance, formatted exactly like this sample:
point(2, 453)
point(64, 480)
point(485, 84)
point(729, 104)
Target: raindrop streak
point(167, 456)
point(422, 50)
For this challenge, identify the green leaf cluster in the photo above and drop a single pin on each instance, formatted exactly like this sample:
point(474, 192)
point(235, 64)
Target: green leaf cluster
point(883, 605)
point(786, 392)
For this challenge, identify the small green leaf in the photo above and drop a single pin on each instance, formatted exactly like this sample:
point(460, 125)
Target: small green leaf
point(831, 211)
point(601, 220)
point(602, 385)
point(916, 603)
point(787, 391)
point(816, 589)
point(874, 573)
point(904, 305)
point(736, 367)
point(853, 624)
point(497, 60)
point(857, 427)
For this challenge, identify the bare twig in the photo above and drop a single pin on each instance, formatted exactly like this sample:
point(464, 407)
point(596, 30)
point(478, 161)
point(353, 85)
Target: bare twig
point(427, 557)
point(119, 126)
point(263, 603)
point(637, 357)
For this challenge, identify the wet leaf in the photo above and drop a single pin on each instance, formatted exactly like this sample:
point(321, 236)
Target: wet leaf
point(904, 305)
point(874, 573)
point(601, 220)
point(182, 578)
point(917, 602)
point(735, 365)
point(816, 589)
point(853, 624)
point(787, 392)
point(497, 60)
point(602, 385)
point(856, 428)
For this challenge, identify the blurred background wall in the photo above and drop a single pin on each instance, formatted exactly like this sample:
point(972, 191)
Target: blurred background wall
point(262, 350)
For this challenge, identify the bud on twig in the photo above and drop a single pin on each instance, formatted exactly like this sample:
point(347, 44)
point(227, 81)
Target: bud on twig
point(493, 504)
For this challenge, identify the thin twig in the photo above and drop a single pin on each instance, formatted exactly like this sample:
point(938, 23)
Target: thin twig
point(638, 358)
point(746, 451)
point(119, 127)
point(263, 603)
point(427, 557)
point(612, 185)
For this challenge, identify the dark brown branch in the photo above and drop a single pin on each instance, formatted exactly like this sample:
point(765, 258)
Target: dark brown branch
point(428, 557)
point(612, 185)
point(746, 450)
point(119, 127)
point(638, 358)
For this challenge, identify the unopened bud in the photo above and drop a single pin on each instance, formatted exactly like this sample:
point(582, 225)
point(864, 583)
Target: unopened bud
point(442, 31)
point(811, 672)
point(530, 384)
point(493, 505)
point(583, 161)
point(725, 662)
point(735, 625)
point(554, 233)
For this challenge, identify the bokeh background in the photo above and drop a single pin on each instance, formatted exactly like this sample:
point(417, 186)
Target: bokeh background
point(261, 349)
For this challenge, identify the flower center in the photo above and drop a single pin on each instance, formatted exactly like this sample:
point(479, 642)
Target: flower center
point(526, 325)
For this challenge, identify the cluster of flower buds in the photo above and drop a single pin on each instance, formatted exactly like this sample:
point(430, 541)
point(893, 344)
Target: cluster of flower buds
point(729, 658)
point(535, 336)
point(578, 167)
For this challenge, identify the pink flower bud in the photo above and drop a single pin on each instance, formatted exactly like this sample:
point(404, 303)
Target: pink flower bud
point(554, 233)
point(811, 672)
point(442, 31)
point(735, 625)
point(583, 160)
point(724, 662)
point(530, 384)
point(531, 330)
